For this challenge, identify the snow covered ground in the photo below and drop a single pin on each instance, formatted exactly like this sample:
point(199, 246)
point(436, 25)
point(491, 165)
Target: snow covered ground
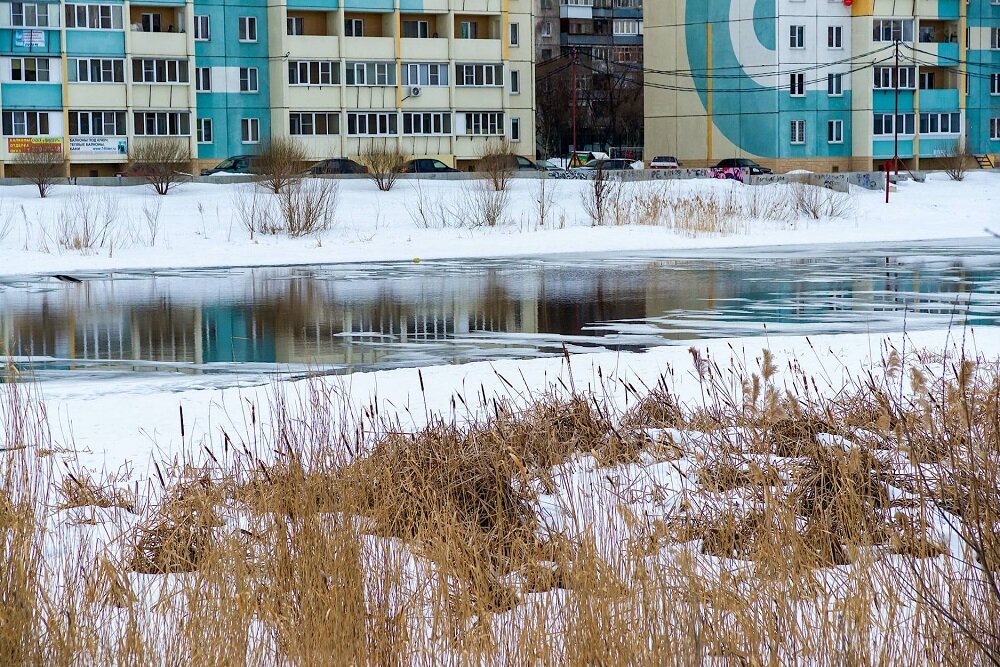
point(103, 425)
point(196, 226)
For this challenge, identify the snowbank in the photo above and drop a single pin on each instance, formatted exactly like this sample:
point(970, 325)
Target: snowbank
point(197, 225)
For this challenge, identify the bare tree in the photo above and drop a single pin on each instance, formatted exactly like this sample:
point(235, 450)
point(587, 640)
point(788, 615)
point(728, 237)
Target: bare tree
point(159, 161)
point(384, 162)
point(498, 162)
point(957, 161)
point(40, 165)
point(279, 163)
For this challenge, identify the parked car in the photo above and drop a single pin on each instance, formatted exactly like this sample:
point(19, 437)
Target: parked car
point(237, 164)
point(743, 163)
point(524, 163)
point(611, 164)
point(337, 165)
point(548, 165)
point(427, 166)
point(664, 162)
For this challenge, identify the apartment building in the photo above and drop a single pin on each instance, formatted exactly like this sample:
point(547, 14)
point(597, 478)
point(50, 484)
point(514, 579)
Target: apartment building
point(440, 78)
point(604, 40)
point(824, 84)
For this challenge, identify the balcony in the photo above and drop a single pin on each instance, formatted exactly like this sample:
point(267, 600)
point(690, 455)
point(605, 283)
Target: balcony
point(938, 40)
point(945, 99)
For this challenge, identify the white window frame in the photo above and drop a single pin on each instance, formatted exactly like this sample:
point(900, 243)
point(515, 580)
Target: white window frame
point(247, 29)
point(203, 136)
point(202, 28)
point(250, 130)
point(835, 132)
point(798, 132)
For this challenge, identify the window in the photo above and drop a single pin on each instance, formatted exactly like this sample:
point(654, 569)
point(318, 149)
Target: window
point(96, 70)
point(203, 79)
point(295, 25)
point(994, 84)
point(204, 130)
point(372, 124)
point(798, 132)
point(835, 37)
point(515, 82)
point(94, 17)
point(248, 79)
point(370, 74)
point(484, 123)
point(25, 123)
point(994, 129)
point(426, 122)
point(884, 78)
point(425, 74)
point(625, 26)
point(149, 70)
point(97, 123)
point(797, 84)
point(354, 28)
point(416, 29)
point(478, 75)
point(515, 35)
point(994, 38)
point(940, 123)
point(313, 122)
point(313, 73)
point(151, 23)
point(468, 30)
point(29, 15)
point(546, 28)
point(250, 130)
point(29, 69)
point(248, 29)
point(797, 36)
point(515, 129)
point(884, 124)
point(834, 85)
point(835, 132)
point(161, 123)
point(892, 30)
point(202, 30)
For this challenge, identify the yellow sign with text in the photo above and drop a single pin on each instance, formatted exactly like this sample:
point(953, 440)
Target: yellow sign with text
point(34, 145)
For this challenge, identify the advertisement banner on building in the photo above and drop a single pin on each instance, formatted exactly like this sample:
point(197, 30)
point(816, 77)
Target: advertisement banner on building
point(34, 145)
point(105, 145)
point(29, 39)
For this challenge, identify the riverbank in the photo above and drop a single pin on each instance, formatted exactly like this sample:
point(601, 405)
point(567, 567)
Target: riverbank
point(596, 509)
point(201, 225)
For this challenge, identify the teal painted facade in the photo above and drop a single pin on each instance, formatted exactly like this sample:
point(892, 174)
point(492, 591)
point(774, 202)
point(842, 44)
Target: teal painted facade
point(756, 114)
point(982, 105)
point(223, 49)
point(757, 118)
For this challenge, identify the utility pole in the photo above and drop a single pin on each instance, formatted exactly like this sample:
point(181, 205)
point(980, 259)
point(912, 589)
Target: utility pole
point(896, 119)
point(574, 107)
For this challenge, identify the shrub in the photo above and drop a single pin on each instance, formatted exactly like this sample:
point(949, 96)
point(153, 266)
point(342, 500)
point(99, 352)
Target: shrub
point(385, 163)
point(159, 162)
point(279, 163)
point(497, 161)
point(41, 167)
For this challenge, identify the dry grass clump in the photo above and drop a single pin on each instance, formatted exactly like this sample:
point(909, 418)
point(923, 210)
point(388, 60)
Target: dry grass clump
point(178, 533)
point(82, 491)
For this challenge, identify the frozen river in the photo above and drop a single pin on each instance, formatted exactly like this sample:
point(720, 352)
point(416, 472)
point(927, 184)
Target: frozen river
point(342, 318)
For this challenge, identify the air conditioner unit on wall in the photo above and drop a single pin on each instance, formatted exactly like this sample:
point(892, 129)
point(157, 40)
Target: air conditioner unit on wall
point(415, 91)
